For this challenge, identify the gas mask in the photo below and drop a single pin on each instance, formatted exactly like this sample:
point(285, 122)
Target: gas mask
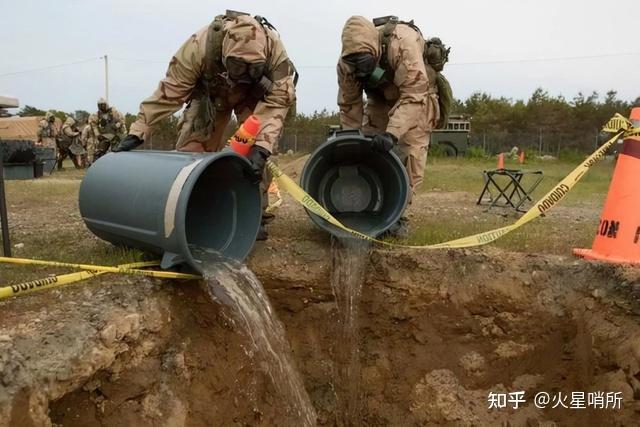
point(252, 74)
point(52, 119)
point(242, 72)
point(362, 65)
point(102, 107)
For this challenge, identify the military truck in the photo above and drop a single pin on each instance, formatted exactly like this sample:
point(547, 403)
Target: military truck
point(454, 140)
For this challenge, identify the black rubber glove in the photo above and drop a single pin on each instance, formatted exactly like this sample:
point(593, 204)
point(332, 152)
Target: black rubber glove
point(128, 143)
point(258, 157)
point(383, 142)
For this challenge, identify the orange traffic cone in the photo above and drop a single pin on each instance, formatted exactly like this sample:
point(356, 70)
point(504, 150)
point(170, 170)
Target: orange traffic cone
point(500, 161)
point(521, 157)
point(618, 234)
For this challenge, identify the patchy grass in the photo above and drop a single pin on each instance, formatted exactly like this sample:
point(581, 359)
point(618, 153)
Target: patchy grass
point(444, 174)
point(571, 224)
point(543, 235)
point(46, 223)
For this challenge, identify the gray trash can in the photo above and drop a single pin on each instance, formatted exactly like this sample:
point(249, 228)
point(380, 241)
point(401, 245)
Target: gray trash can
point(170, 202)
point(365, 190)
point(47, 157)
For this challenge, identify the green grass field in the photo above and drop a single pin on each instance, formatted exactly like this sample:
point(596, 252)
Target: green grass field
point(572, 223)
point(446, 174)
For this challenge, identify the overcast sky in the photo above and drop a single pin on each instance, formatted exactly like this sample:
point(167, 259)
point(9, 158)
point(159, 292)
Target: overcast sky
point(495, 45)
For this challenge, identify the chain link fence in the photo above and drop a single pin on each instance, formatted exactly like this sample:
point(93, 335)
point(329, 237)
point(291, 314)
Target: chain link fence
point(540, 143)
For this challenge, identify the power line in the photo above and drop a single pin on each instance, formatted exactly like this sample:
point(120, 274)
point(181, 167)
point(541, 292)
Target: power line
point(151, 61)
point(508, 61)
point(566, 58)
point(513, 61)
point(32, 70)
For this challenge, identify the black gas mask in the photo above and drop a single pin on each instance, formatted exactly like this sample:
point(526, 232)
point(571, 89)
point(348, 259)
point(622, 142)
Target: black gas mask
point(362, 65)
point(252, 74)
point(241, 72)
point(102, 107)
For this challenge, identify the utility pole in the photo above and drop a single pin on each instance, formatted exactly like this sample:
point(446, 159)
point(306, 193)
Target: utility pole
point(106, 78)
point(4, 217)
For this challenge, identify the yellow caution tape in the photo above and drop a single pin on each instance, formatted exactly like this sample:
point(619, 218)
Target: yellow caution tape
point(106, 269)
point(63, 279)
point(273, 189)
point(617, 123)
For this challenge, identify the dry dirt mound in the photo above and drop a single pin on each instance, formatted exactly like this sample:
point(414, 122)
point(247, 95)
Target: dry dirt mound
point(439, 331)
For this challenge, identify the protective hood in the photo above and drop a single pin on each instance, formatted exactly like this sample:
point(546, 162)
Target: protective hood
point(70, 121)
point(359, 35)
point(48, 115)
point(245, 39)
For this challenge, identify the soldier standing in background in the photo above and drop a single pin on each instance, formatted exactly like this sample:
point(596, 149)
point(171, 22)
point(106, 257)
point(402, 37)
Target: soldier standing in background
point(390, 61)
point(68, 137)
point(108, 128)
point(47, 131)
point(89, 143)
point(237, 64)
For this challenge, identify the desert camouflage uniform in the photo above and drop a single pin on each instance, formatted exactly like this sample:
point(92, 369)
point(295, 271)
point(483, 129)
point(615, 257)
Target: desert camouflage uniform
point(108, 128)
point(407, 107)
point(68, 142)
point(88, 142)
point(210, 105)
point(47, 132)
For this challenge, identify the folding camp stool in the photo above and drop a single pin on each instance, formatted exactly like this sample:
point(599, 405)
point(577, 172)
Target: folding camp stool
point(505, 188)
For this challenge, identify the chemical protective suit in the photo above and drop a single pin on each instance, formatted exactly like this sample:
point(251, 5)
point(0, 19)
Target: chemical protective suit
point(388, 64)
point(108, 128)
point(47, 131)
point(237, 64)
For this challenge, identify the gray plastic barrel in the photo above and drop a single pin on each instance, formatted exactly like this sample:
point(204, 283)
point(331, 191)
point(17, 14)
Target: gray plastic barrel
point(365, 190)
point(171, 203)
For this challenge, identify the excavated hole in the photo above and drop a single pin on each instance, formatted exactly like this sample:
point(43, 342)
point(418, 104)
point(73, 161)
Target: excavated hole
point(439, 331)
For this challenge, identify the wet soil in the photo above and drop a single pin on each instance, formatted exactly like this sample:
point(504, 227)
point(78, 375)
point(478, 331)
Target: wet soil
point(439, 331)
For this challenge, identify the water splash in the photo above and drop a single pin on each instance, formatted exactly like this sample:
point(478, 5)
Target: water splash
point(349, 258)
point(234, 285)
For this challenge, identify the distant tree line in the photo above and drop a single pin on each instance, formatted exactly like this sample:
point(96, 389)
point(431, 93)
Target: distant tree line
point(543, 123)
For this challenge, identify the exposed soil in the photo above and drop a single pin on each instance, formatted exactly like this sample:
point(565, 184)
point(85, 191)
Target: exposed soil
point(440, 330)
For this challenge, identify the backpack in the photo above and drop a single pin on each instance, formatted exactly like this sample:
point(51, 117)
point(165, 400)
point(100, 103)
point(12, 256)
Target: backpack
point(435, 55)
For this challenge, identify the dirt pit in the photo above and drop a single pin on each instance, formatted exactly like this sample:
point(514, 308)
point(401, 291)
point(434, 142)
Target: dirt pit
point(438, 332)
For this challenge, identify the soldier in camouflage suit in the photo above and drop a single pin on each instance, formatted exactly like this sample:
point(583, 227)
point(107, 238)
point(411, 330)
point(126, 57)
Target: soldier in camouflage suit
point(238, 65)
point(401, 108)
point(88, 142)
point(69, 136)
point(47, 131)
point(108, 128)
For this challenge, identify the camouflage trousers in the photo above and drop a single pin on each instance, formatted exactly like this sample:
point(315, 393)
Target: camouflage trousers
point(103, 146)
point(90, 146)
point(64, 151)
point(412, 148)
point(193, 138)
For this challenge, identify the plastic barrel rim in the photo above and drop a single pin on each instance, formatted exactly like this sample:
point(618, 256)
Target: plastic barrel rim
point(365, 190)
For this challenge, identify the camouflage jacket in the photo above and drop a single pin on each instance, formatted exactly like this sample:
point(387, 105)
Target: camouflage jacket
point(46, 130)
point(108, 124)
point(413, 86)
point(185, 79)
